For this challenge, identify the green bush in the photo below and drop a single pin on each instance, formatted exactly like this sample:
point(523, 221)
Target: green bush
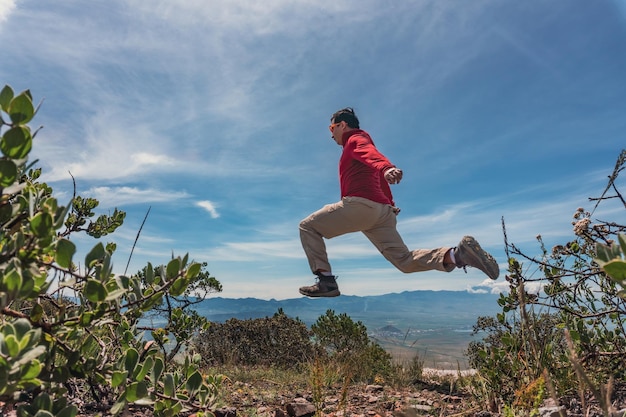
point(348, 344)
point(270, 341)
point(49, 342)
point(563, 319)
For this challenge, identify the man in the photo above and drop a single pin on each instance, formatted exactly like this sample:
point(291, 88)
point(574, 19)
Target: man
point(367, 206)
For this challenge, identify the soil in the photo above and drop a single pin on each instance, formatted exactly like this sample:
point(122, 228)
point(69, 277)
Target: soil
point(435, 397)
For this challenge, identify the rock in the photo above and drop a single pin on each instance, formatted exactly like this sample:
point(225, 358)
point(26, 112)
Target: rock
point(300, 408)
point(226, 412)
point(551, 411)
point(421, 407)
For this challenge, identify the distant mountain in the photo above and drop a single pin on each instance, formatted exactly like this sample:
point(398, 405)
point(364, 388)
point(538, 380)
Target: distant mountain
point(409, 309)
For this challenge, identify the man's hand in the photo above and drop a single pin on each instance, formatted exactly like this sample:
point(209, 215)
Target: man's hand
point(393, 175)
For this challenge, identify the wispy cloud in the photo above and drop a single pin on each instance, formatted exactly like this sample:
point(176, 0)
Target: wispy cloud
point(127, 196)
point(210, 207)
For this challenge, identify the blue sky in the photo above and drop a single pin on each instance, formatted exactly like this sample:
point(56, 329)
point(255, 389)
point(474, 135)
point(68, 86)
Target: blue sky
point(215, 114)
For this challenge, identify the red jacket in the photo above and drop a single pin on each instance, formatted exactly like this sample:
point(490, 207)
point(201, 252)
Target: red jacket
point(362, 168)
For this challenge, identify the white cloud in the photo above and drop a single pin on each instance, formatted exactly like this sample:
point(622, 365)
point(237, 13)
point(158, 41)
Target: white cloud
point(210, 207)
point(122, 196)
point(6, 7)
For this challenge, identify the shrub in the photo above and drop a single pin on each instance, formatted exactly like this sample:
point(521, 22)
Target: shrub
point(271, 341)
point(48, 341)
point(347, 343)
point(563, 318)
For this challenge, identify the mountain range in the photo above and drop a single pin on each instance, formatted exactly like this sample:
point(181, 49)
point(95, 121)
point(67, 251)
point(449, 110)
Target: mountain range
point(409, 309)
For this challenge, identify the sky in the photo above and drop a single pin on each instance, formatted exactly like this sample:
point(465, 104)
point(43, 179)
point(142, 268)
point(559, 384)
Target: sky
point(214, 114)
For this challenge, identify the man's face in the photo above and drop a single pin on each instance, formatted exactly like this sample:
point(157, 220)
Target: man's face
point(337, 130)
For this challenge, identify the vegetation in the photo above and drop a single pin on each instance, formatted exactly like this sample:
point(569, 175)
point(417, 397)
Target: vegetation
point(63, 326)
point(283, 342)
point(278, 341)
point(562, 326)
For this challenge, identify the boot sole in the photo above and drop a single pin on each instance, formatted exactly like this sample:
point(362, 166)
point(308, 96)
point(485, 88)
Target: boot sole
point(333, 293)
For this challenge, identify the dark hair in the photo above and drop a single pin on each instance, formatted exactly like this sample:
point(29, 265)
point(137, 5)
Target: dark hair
point(346, 115)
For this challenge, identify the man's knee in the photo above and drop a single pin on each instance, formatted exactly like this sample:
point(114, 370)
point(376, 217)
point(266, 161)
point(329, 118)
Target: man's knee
point(305, 224)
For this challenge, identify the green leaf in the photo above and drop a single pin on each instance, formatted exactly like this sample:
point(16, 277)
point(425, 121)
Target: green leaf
point(69, 411)
point(172, 269)
point(12, 345)
point(8, 172)
point(16, 142)
point(117, 378)
point(43, 402)
point(64, 253)
point(136, 391)
point(157, 370)
point(21, 109)
point(6, 95)
point(95, 291)
point(12, 282)
point(616, 269)
point(193, 270)
point(96, 253)
point(194, 382)
point(21, 327)
point(149, 274)
point(32, 370)
point(130, 360)
point(41, 225)
point(152, 301)
point(178, 287)
point(168, 385)
point(145, 368)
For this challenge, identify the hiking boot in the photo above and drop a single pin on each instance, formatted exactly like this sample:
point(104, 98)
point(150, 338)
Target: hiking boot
point(469, 253)
point(326, 286)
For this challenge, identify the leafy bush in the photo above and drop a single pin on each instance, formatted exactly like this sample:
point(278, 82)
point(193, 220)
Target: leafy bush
point(50, 342)
point(506, 358)
point(285, 343)
point(347, 343)
point(563, 319)
point(271, 341)
point(182, 321)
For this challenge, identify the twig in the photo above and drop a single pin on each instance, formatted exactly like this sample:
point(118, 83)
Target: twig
point(136, 239)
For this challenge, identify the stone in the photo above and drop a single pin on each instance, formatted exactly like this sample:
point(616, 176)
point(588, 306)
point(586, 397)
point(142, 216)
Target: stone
point(551, 411)
point(300, 408)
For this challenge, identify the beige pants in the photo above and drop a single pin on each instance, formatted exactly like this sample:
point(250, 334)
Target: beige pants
point(377, 222)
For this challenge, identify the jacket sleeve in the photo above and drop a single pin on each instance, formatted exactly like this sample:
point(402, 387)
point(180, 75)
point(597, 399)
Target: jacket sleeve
point(363, 150)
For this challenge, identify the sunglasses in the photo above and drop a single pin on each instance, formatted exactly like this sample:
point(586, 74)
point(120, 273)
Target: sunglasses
point(333, 126)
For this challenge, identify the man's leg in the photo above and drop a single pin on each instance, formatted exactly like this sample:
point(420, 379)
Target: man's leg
point(468, 252)
point(351, 214)
point(388, 241)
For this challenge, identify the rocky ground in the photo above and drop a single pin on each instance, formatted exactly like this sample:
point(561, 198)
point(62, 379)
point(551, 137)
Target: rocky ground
point(440, 397)
point(428, 400)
